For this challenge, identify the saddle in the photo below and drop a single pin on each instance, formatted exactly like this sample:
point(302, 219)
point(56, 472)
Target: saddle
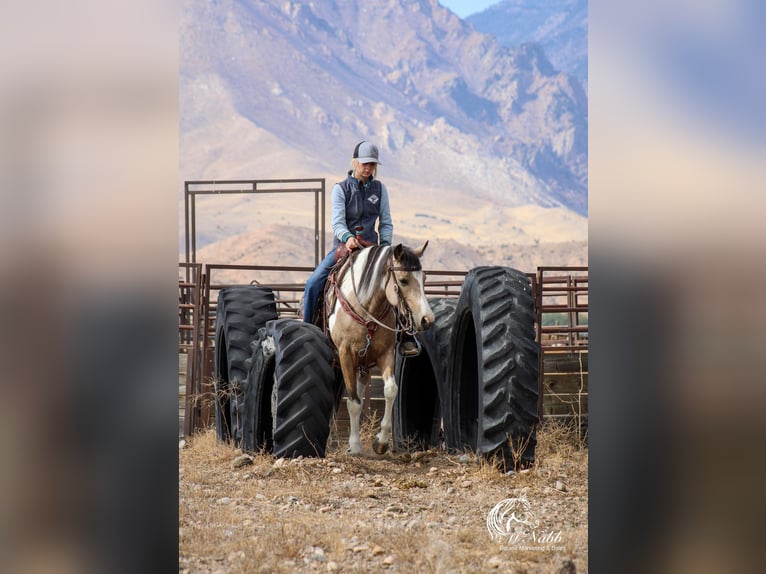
point(327, 302)
point(342, 252)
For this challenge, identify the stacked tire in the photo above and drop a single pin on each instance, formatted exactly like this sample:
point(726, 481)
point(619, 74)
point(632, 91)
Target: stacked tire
point(473, 387)
point(274, 382)
point(241, 311)
point(290, 392)
point(493, 377)
point(423, 397)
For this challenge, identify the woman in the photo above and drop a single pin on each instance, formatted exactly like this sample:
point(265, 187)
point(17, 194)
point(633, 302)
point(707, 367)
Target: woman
point(360, 201)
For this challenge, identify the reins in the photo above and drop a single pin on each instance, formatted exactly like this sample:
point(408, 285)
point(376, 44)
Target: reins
point(371, 326)
point(371, 323)
point(406, 327)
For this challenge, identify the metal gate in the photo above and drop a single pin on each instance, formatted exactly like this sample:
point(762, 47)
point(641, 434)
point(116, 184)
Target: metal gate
point(560, 294)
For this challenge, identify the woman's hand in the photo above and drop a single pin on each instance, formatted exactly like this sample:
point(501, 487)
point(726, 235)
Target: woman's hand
point(352, 243)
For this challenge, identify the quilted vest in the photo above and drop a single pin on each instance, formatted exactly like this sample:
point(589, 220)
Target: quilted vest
point(362, 207)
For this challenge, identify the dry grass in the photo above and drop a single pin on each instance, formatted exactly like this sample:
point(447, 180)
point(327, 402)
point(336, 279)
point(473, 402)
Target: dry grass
point(403, 512)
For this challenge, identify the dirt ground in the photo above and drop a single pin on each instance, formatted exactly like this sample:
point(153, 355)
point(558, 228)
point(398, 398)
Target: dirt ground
point(402, 512)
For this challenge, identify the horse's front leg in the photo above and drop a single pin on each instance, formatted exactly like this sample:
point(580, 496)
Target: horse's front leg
point(355, 414)
point(380, 444)
point(354, 390)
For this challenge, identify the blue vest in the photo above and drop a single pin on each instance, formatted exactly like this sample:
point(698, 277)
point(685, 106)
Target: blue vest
point(362, 207)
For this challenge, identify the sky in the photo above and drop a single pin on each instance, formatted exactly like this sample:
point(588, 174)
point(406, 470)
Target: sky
point(465, 8)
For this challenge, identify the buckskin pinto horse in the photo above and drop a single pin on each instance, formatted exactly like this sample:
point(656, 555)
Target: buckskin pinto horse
point(375, 294)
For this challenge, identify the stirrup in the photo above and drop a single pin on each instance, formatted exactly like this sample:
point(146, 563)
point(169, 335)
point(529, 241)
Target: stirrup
point(409, 347)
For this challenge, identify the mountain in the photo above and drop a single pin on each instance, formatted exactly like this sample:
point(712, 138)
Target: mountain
point(468, 129)
point(560, 27)
point(266, 245)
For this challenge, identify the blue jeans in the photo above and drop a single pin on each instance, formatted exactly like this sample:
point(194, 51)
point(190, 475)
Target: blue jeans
point(315, 286)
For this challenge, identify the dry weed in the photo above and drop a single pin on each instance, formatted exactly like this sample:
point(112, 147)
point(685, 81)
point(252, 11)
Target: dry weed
point(402, 512)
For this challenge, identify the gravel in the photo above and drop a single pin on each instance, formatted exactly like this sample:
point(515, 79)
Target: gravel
point(402, 512)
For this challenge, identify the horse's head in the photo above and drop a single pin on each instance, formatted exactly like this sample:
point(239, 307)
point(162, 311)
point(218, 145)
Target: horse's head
point(406, 291)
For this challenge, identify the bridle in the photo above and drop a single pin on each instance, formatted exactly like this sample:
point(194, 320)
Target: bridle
point(404, 318)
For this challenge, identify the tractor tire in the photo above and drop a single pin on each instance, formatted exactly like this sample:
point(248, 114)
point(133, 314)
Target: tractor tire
point(422, 400)
point(493, 375)
point(240, 312)
point(290, 391)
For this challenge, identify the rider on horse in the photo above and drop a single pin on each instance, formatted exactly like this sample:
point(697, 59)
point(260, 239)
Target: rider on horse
point(358, 203)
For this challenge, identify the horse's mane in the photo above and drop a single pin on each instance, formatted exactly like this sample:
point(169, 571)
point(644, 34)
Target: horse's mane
point(375, 263)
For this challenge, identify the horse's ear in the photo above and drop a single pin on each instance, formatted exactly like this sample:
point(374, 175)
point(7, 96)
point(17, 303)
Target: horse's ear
point(419, 251)
point(398, 250)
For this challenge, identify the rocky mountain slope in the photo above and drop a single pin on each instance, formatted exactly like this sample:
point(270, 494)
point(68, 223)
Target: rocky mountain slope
point(275, 89)
point(560, 27)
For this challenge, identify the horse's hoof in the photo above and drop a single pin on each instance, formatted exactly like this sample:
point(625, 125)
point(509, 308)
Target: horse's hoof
point(379, 447)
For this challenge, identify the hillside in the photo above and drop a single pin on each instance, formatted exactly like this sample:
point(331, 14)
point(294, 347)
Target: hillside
point(269, 246)
point(560, 27)
point(490, 139)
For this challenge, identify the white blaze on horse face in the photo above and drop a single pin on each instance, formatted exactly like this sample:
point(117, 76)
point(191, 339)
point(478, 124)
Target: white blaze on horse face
point(427, 316)
point(412, 291)
point(424, 315)
point(408, 287)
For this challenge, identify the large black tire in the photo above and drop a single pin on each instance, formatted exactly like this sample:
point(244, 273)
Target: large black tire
point(423, 398)
point(493, 377)
point(290, 391)
point(240, 312)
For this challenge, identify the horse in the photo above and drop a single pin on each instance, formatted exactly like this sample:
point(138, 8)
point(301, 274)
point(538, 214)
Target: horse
point(376, 293)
